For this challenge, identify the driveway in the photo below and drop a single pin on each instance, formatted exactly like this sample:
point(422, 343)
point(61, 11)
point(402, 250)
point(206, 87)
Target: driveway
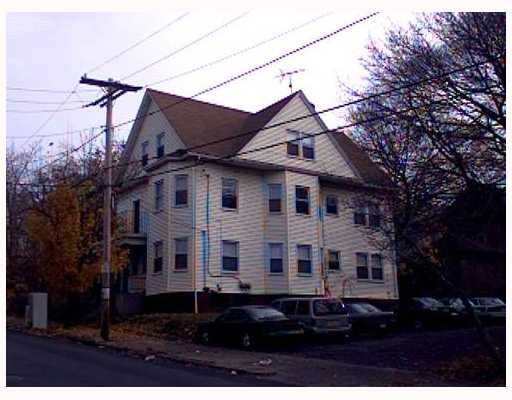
point(423, 351)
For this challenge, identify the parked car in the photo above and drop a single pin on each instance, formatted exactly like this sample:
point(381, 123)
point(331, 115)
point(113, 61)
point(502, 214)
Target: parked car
point(489, 309)
point(248, 326)
point(368, 319)
point(421, 312)
point(317, 315)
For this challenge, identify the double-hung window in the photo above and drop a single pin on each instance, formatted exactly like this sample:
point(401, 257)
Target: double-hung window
point(293, 143)
point(275, 194)
point(334, 260)
point(158, 256)
point(180, 254)
point(360, 215)
point(144, 155)
point(160, 145)
point(308, 147)
point(377, 270)
point(374, 216)
point(362, 265)
point(304, 259)
point(331, 204)
point(159, 195)
point(229, 256)
point(181, 190)
point(229, 193)
point(276, 258)
point(302, 200)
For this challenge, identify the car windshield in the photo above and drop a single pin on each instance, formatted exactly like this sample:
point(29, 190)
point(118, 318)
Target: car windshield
point(265, 313)
point(429, 302)
point(328, 307)
point(357, 309)
point(370, 307)
point(491, 301)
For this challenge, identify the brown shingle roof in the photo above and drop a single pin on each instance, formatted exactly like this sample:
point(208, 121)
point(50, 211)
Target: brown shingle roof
point(366, 168)
point(197, 122)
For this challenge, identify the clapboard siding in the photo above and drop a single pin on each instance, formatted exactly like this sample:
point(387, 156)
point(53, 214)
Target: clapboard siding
point(327, 157)
point(153, 124)
point(303, 230)
point(244, 225)
point(341, 234)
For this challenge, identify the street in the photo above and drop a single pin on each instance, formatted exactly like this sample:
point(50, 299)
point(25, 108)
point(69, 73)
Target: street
point(39, 361)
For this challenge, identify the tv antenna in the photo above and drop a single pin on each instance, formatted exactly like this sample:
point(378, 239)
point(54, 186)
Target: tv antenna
point(289, 74)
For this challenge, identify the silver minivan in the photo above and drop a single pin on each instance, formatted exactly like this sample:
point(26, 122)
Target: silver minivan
point(317, 315)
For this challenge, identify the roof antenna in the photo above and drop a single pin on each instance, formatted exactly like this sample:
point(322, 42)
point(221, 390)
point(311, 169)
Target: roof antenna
point(284, 74)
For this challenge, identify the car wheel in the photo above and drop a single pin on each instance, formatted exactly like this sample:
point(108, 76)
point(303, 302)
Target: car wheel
point(247, 341)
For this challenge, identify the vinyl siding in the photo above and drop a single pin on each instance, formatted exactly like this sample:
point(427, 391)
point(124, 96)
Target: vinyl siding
point(152, 125)
point(327, 158)
point(341, 234)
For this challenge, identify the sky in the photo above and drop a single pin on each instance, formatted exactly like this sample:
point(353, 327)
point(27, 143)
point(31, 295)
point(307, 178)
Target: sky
point(53, 50)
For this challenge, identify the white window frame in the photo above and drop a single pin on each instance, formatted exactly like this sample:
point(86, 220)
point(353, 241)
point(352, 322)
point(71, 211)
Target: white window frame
point(176, 240)
point(310, 259)
point(361, 266)
point(270, 258)
point(176, 179)
point(237, 248)
point(380, 266)
point(229, 180)
point(269, 188)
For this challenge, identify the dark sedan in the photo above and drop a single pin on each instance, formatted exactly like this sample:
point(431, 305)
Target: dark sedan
point(368, 319)
point(249, 326)
point(427, 312)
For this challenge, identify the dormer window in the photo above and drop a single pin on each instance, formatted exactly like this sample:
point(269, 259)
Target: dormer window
point(160, 146)
point(144, 156)
point(300, 145)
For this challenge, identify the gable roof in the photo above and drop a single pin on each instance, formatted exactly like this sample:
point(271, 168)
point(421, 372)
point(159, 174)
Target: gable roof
point(197, 123)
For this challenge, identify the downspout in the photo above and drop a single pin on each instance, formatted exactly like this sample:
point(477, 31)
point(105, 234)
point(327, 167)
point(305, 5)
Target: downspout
point(194, 230)
point(207, 241)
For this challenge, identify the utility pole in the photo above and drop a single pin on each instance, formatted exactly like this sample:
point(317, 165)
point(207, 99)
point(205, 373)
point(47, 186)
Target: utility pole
point(113, 90)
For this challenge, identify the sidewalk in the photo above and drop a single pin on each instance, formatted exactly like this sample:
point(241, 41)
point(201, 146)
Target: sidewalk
point(291, 370)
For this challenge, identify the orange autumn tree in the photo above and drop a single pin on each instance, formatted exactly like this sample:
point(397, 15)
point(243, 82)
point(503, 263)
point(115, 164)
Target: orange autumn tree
point(67, 228)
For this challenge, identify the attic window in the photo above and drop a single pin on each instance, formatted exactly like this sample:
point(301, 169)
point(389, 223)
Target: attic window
point(300, 145)
point(144, 153)
point(160, 146)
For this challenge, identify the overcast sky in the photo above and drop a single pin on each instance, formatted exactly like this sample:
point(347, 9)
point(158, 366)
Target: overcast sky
point(53, 50)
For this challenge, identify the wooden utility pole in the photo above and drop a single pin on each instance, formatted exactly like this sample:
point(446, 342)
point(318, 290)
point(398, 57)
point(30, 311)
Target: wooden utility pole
point(113, 91)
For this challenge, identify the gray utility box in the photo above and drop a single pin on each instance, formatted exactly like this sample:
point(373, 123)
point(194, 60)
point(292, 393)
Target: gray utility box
point(38, 310)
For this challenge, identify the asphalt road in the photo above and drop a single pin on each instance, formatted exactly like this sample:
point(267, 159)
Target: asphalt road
point(414, 351)
point(40, 361)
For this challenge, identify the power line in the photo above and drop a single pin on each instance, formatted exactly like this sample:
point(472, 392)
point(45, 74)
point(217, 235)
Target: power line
point(326, 110)
point(14, 111)
point(333, 131)
point(186, 46)
point(266, 64)
point(244, 50)
point(41, 102)
point(252, 70)
point(168, 25)
point(22, 89)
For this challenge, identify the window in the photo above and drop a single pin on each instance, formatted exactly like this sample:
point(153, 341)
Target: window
point(288, 307)
point(362, 265)
point(229, 256)
point(303, 307)
point(360, 216)
point(308, 148)
point(159, 195)
point(302, 200)
point(157, 256)
point(181, 190)
point(292, 146)
point(374, 216)
point(274, 197)
point(334, 260)
point(276, 258)
point(304, 259)
point(180, 253)
point(377, 271)
point(300, 145)
point(229, 193)
point(144, 153)
point(331, 204)
point(160, 146)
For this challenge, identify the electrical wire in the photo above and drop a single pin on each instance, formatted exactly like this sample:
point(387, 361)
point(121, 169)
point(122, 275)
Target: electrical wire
point(174, 52)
